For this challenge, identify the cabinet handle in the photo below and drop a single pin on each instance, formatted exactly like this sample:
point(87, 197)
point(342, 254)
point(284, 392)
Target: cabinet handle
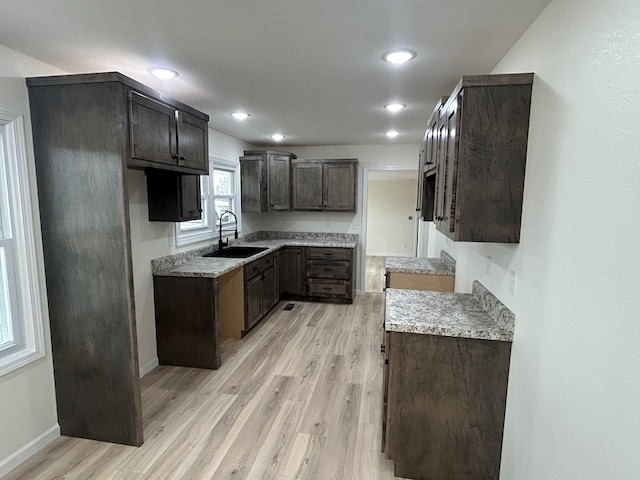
point(183, 158)
point(328, 269)
point(174, 156)
point(383, 348)
point(326, 288)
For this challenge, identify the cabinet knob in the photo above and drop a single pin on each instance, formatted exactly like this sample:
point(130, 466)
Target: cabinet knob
point(174, 156)
point(183, 158)
point(383, 348)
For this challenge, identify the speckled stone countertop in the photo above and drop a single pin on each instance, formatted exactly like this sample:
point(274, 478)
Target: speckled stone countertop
point(420, 265)
point(478, 315)
point(192, 264)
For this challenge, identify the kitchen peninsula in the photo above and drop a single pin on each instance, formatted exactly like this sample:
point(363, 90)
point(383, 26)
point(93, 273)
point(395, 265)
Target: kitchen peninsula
point(198, 299)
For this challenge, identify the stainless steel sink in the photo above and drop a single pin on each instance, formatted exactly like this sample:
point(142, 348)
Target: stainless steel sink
point(236, 252)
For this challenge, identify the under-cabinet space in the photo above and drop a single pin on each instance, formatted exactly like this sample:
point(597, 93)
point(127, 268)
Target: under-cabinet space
point(173, 197)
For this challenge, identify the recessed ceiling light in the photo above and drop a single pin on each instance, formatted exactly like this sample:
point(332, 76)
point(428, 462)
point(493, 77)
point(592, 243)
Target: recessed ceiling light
point(392, 133)
point(163, 73)
point(394, 107)
point(240, 115)
point(398, 56)
point(278, 137)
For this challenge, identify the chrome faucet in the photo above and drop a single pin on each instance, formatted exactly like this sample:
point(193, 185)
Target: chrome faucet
point(222, 244)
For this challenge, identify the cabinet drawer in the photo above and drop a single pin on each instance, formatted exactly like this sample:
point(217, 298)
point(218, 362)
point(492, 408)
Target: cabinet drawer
point(326, 288)
point(334, 270)
point(325, 253)
point(258, 266)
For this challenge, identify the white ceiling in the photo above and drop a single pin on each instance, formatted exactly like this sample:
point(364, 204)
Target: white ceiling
point(310, 69)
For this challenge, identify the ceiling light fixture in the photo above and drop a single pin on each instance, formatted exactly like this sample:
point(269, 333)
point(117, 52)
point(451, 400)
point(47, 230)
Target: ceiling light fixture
point(399, 56)
point(392, 133)
point(394, 107)
point(278, 137)
point(163, 73)
point(240, 115)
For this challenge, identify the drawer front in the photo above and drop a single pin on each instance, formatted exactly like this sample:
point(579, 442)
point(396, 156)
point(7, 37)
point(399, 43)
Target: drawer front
point(325, 253)
point(258, 266)
point(319, 288)
point(336, 270)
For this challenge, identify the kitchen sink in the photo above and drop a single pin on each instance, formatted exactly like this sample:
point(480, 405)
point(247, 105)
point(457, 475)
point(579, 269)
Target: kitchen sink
point(236, 252)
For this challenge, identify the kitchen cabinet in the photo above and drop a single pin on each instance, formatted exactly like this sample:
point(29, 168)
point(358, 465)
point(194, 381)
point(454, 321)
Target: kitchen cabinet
point(260, 289)
point(481, 156)
point(443, 405)
point(82, 144)
point(329, 273)
point(163, 136)
point(265, 180)
point(290, 273)
point(173, 197)
point(427, 161)
point(324, 185)
point(187, 314)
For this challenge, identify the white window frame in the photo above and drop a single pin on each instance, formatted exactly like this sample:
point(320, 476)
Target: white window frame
point(18, 235)
point(209, 229)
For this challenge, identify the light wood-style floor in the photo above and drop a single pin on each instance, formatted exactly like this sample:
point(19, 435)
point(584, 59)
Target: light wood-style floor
point(298, 398)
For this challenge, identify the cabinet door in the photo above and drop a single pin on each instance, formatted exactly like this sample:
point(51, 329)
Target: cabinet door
point(290, 271)
point(152, 128)
point(269, 290)
point(253, 188)
point(451, 175)
point(306, 185)
point(339, 186)
point(193, 142)
point(441, 171)
point(279, 182)
point(190, 197)
point(253, 301)
point(421, 162)
point(172, 197)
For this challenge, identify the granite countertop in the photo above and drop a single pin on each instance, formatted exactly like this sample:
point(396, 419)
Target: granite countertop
point(478, 315)
point(422, 266)
point(193, 264)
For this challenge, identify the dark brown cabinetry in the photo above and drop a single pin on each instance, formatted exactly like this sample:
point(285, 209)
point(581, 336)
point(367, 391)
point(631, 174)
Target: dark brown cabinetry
point(443, 405)
point(480, 149)
point(260, 289)
point(163, 136)
point(329, 273)
point(82, 142)
point(290, 275)
point(173, 197)
point(324, 185)
point(265, 181)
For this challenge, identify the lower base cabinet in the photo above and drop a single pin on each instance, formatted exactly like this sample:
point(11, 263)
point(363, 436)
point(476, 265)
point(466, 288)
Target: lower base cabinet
point(443, 405)
point(260, 289)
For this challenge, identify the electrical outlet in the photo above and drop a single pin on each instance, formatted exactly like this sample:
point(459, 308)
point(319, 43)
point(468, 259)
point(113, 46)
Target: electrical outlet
point(512, 282)
point(487, 267)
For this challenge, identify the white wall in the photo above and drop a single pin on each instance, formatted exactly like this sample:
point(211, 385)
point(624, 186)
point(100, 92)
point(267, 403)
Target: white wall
point(574, 386)
point(390, 203)
point(28, 416)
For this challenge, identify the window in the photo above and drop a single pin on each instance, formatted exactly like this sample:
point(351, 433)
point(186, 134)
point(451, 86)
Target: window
point(21, 333)
point(219, 194)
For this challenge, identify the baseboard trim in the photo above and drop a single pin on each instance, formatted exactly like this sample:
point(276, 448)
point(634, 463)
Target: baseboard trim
point(148, 367)
point(28, 450)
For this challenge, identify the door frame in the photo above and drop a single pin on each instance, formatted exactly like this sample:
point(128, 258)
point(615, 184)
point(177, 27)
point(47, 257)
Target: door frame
point(365, 214)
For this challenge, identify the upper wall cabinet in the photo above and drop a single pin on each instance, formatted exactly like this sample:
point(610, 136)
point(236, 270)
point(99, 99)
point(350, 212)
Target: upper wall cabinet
point(165, 137)
point(265, 181)
point(324, 185)
point(480, 150)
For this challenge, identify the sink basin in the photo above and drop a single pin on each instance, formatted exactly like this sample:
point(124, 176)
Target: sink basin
point(236, 252)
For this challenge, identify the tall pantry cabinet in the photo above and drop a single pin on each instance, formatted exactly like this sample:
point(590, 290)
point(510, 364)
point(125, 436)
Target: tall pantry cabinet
point(83, 133)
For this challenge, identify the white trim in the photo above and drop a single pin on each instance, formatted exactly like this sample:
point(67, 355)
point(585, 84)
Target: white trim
point(25, 251)
point(34, 446)
point(149, 366)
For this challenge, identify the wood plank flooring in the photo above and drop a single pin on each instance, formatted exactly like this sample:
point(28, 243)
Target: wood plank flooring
point(297, 398)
